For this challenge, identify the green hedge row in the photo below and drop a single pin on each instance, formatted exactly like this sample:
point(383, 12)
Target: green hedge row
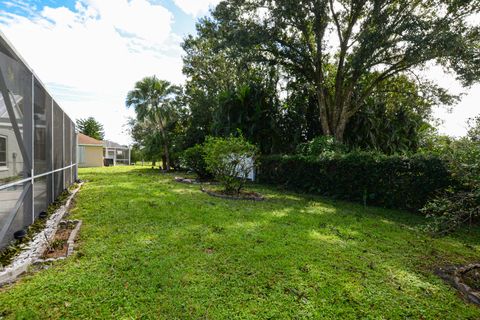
point(388, 181)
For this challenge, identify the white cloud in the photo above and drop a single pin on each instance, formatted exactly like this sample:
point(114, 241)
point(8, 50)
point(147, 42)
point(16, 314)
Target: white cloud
point(454, 118)
point(90, 57)
point(196, 7)
point(137, 18)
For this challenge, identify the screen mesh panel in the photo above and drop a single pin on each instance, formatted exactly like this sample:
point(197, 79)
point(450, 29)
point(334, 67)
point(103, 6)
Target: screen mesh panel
point(10, 199)
point(37, 144)
point(18, 92)
point(40, 195)
point(58, 183)
point(42, 133)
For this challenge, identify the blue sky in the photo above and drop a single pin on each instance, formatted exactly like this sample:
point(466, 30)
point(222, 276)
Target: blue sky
point(184, 24)
point(90, 53)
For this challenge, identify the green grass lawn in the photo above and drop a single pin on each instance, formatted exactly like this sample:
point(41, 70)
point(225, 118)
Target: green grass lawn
point(151, 248)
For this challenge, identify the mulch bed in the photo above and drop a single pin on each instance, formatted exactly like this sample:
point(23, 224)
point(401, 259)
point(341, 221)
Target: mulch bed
point(58, 247)
point(252, 196)
point(186, 180)
point(194, 181)
point(466, 279)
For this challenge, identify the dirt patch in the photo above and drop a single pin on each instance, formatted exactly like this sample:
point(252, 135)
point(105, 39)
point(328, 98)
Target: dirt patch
point(209, 251)
point(244, 195)
point(59, 246)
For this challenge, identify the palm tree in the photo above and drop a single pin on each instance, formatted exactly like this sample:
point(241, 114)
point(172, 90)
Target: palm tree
point(152, 99)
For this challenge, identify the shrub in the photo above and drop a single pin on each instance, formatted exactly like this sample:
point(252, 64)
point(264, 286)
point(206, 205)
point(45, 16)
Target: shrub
point(193, 159)
point(322, 145)
point(460, 203)
point(228, 159)
point(451, 210)
point(389, 181)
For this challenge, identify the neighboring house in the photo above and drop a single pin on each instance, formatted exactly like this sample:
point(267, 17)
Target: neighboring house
point(90, 151)
point(96, 153)
point(114, 153)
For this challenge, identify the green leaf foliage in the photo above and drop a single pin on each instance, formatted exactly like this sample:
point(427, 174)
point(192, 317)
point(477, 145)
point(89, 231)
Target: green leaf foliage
point(253, 110)
point(451, 210)
point(303, 83)
point(343, 51)
point(322, 145)
point(460, 203)
point(373, 179)
point(194, 159)
point(91, 128)
point(227, 159)
point(154, 102)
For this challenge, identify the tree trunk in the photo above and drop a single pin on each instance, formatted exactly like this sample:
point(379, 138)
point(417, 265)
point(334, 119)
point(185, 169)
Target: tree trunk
point(333, 127)
point(165, 149)
point(340, 128)
point(164, 162)
point(323, 113)
point(344, 106)
point(334, 118)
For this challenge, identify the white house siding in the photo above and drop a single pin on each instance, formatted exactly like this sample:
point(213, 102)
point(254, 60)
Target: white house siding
point(14, 156)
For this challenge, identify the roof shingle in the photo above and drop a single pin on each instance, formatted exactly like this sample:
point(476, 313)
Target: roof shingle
point(86, 140)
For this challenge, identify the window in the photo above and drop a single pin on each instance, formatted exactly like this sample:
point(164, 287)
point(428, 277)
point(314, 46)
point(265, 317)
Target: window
point(3, 151)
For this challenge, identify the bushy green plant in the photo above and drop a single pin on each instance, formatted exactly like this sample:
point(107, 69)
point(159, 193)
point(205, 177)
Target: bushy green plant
point(461, 202)
point(324, 146)
point(451, 210)
point(370, 178)
point(193, 159)
point(462, 157)
point(228, 159)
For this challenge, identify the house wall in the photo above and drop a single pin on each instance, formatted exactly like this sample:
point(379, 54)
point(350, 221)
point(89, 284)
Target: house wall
point(14, 166)
point(92, 156)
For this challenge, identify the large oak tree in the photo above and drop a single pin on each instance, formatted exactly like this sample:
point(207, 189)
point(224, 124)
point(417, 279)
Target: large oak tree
point(334, 45)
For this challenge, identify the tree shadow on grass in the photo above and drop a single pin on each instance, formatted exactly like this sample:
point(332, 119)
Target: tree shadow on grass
point(285, 255)
point(304, 256)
